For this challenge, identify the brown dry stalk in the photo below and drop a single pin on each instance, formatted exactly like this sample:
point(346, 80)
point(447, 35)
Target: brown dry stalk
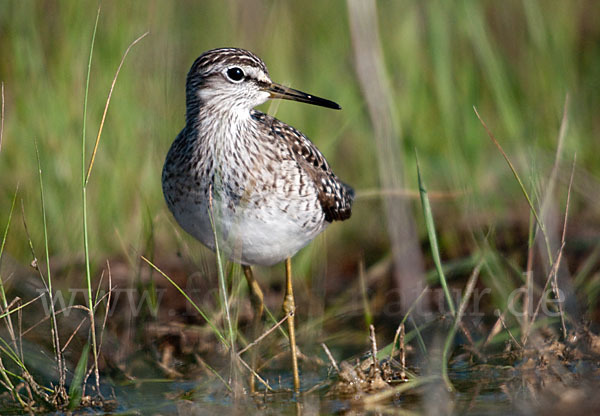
point(112, 86)
point(376, 88)
point(2, 116)
point(330, 356)
point(396, 336)
point(495, 329)
point(402, 354)
point(401, 388)
point(8, 320)
point(41, 321)
point(60, 389)
point(373, 346)
point(255, 374)
point(501, 319)
point(552, 276)
point(544, 210)
point(518, 178)
point(73, 334)
point(266, 333)
point(562, 241)
point(408, 193)
point(560, 144)
point(107, 308)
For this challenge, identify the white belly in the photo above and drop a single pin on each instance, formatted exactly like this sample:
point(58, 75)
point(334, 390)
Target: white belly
point(263, 235)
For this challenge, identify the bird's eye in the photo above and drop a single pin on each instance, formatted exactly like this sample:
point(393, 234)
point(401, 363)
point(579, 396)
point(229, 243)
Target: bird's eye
point(235, 74)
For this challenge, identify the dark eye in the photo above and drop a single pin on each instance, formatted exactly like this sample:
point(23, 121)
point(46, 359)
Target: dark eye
point(235, 74)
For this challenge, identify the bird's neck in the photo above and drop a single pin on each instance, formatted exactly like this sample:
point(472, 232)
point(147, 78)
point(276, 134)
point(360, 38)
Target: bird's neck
point(217, 127)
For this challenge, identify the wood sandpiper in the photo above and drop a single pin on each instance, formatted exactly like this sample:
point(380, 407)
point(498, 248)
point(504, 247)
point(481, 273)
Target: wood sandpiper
point(267, 188)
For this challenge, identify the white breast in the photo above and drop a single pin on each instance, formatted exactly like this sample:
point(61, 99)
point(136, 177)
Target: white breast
point(250, 235)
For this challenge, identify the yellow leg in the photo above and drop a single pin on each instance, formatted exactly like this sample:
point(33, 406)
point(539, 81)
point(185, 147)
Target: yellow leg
point(256, 294)
point(289, 306)
point(257, 300)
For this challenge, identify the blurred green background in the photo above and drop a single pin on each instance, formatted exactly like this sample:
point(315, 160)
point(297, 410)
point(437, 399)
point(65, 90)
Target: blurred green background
point(514, 60)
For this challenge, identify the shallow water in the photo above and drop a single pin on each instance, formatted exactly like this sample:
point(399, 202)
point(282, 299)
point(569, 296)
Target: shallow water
point(481, 389)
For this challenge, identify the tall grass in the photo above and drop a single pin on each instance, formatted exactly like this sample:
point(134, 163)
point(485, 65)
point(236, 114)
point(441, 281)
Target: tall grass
point(441, 60)
point(59, 398)
point(84, 182)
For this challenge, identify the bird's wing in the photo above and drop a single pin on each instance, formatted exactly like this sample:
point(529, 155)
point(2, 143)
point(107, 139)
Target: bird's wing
point(335, 196)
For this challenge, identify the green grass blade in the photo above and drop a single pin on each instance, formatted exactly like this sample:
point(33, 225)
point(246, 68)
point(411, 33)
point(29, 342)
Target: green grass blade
point(44, 221)
point(435, 252)
point(221, 274)
point(213, 327)
point(10, 353)
point(417, 330)
point(365, 298)
point(391, 346)
point(461, 311)
point(76, 389)
point(1, 114)
point(4, 236)
point(522, 186)
point(54, 326)
point(415, 333)
point(7, 313)
point(86, 249)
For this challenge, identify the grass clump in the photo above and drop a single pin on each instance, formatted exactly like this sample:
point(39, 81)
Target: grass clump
point(56, 397)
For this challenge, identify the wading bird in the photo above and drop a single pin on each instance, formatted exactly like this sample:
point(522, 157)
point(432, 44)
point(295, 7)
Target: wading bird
point(259, 183)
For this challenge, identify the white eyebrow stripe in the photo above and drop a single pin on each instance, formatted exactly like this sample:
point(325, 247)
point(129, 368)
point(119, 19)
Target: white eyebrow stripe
point(255, 73)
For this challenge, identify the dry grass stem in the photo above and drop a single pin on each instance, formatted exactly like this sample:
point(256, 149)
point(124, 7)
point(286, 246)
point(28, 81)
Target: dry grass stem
point(555, 167)
point(562, 243)
point(373, 346)
point(528, 292)
point(459, 315)
point(46, 318)
point(60, 389)
point(266, 333)
point(64, 347)
point(463, 328)
point(518, 178)
point(409, 385)
point(549, 192)
point(107, 308)
point(552, 276)
point(495, 329)
point(2, 116)
point(94, 367)
point(9, 311)
point(402, 354)
point(409, 194)
point(255, 374)
point(501, 319)
point(364, 295)
point(20, 339)
point(112, 86)
point(330, 356)
point(376, 88)
point(395, 341)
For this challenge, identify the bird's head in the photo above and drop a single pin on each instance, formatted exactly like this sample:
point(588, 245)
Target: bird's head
point(236, 79)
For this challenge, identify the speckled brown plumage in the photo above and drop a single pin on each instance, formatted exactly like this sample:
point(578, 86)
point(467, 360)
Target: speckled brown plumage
point(272, 189)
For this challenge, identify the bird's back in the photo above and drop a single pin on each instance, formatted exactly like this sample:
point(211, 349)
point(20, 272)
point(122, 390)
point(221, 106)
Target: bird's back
point(335, 197)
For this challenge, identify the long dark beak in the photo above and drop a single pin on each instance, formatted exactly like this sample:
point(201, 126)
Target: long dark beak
point(286, 93)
